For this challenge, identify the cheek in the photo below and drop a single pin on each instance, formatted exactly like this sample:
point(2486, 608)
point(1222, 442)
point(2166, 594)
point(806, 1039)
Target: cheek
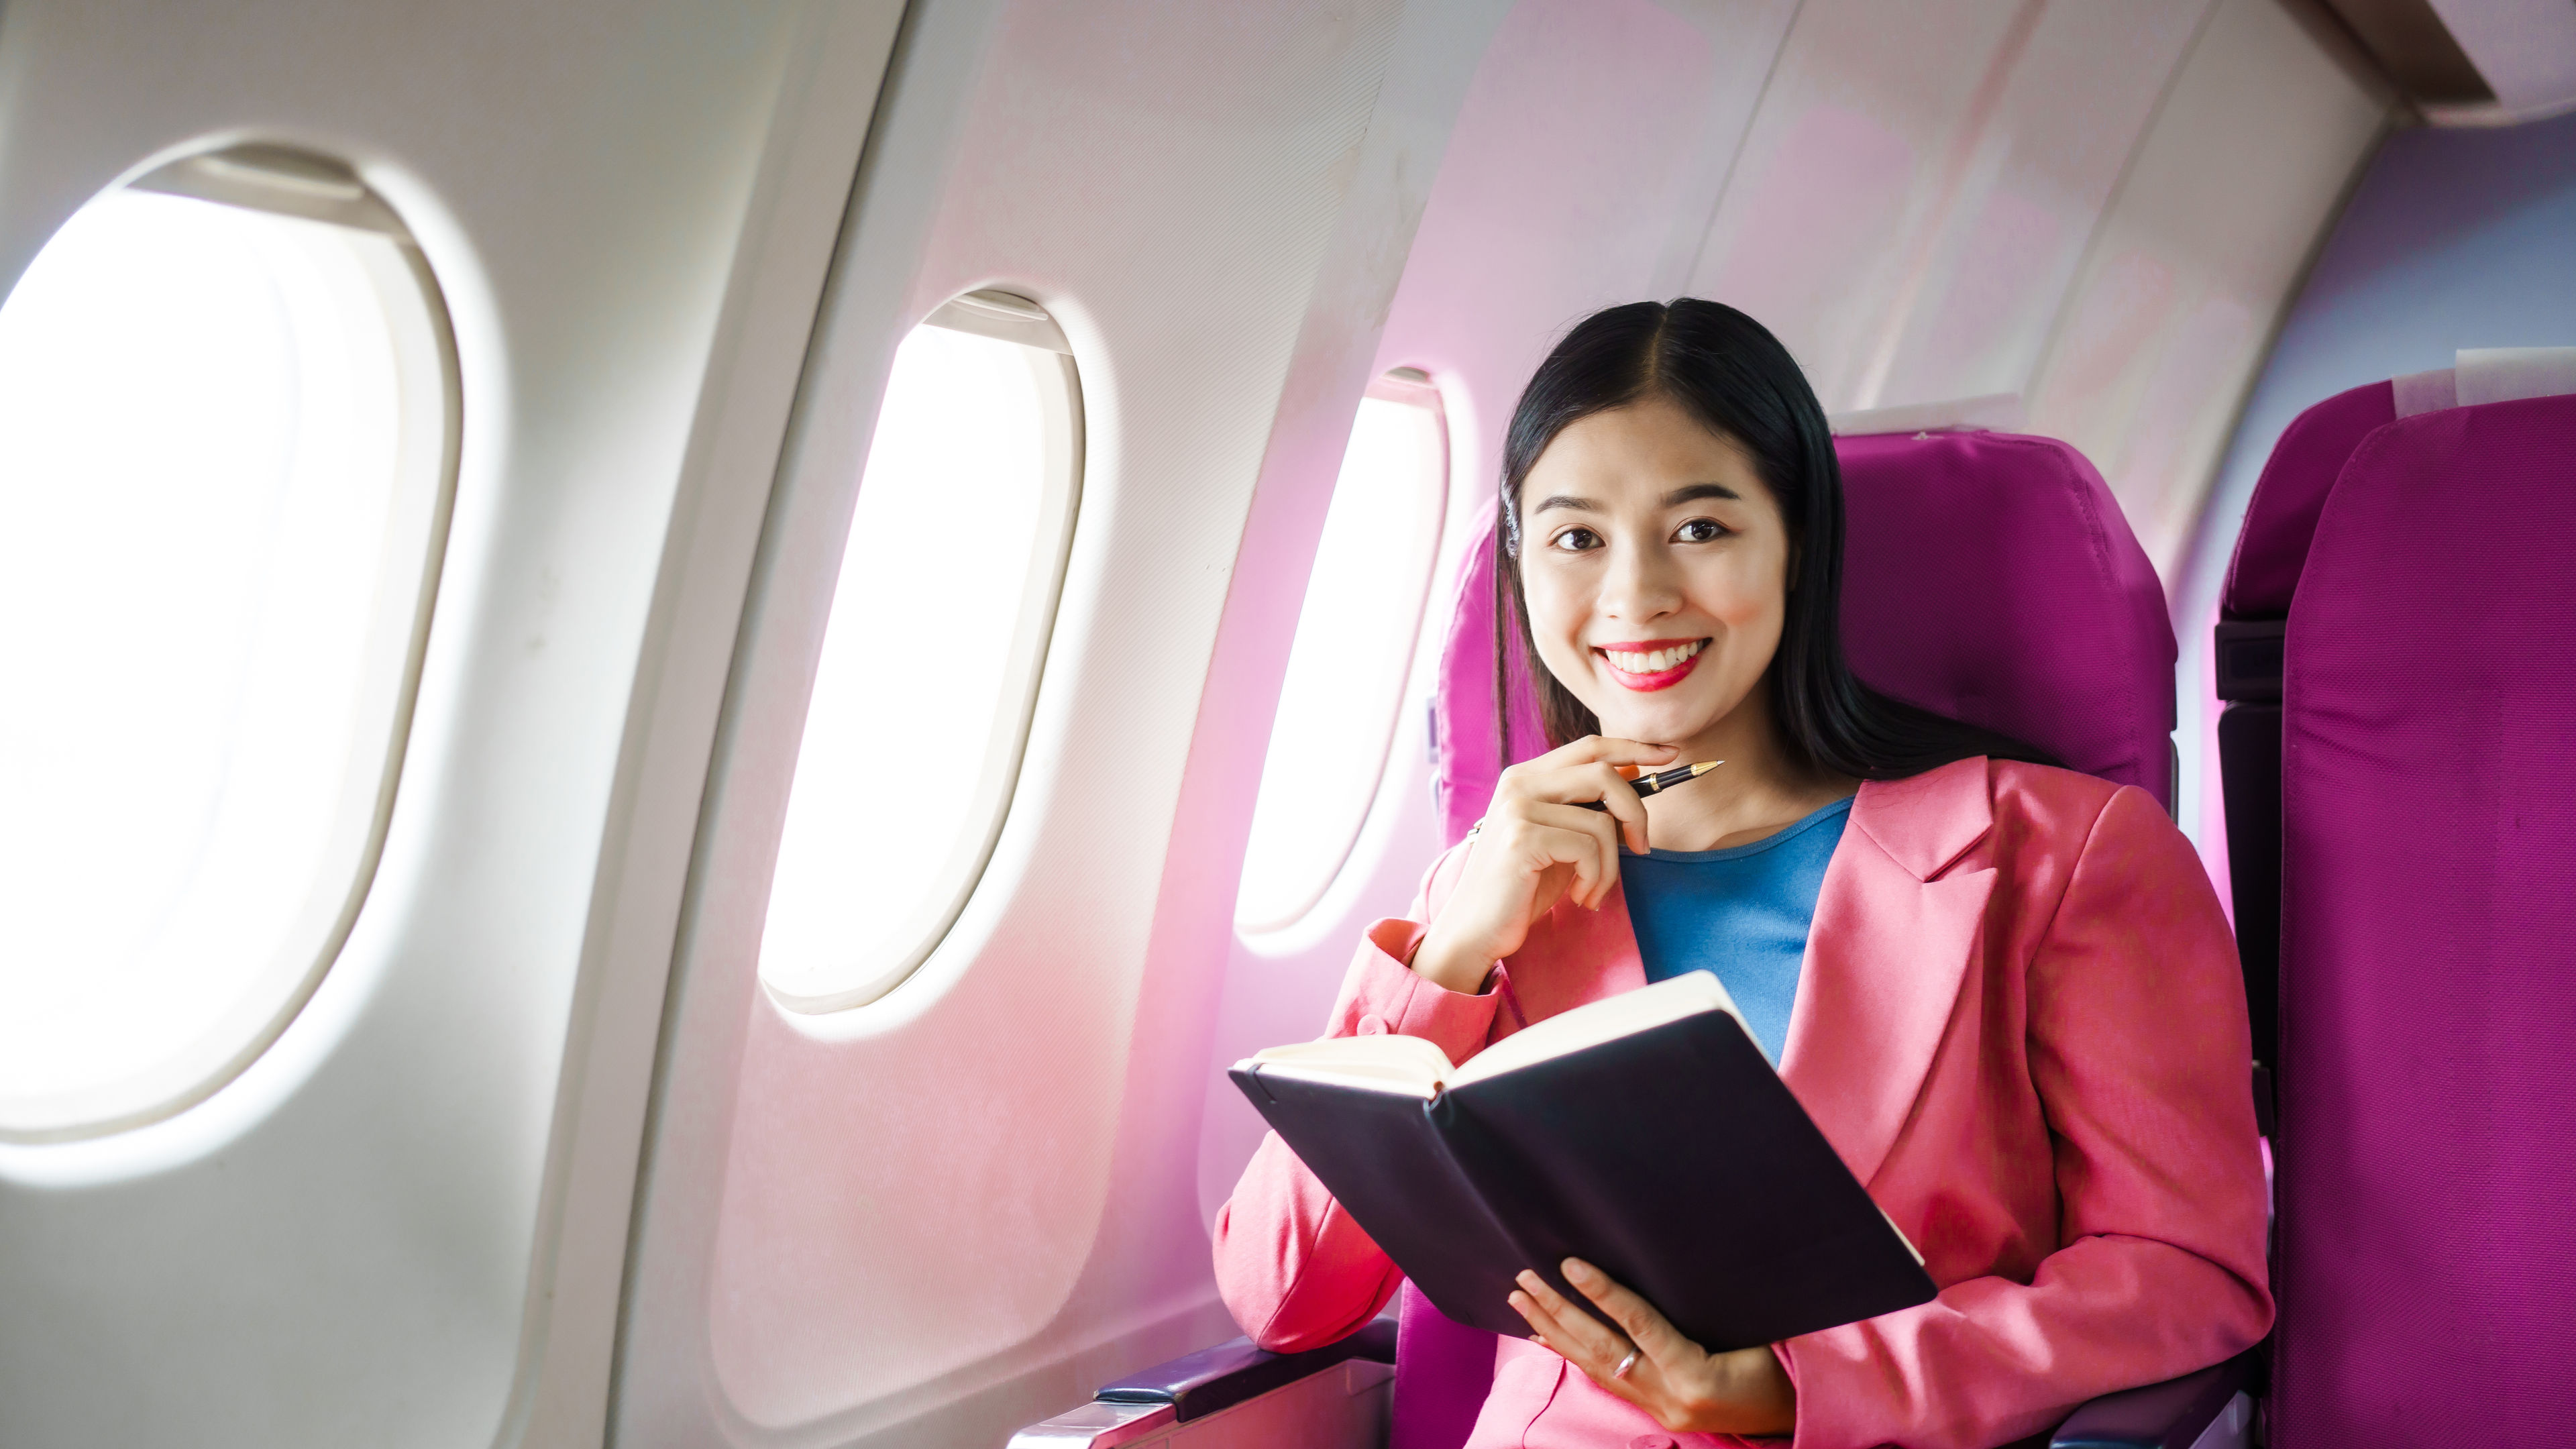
point(1747, 594)
point(1558, 608)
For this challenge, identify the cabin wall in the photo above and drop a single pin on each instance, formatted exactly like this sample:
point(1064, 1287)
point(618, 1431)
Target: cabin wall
point(2453, 239)
point(404, 1223)
point(957, 1209)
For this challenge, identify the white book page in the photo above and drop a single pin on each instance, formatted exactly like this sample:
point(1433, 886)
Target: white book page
point(1388, 1063)
point(1413, 1065)
point(1688, 994)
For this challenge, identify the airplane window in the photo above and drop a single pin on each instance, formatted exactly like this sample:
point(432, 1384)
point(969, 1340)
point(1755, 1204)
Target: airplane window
point(1340, 701)
point(947, 593)
point(226, 440)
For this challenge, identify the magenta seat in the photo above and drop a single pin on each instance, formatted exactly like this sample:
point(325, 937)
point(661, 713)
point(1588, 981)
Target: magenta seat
point(1989, 576)
point(2271, 549)
point(2282, 516)
point(2428, 1086)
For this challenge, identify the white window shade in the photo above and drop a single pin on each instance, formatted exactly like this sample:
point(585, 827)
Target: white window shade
point(938, 631)
point(226, 437)
point(1344, 691)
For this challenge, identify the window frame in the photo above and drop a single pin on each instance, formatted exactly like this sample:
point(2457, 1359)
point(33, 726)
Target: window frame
point(1007, 317)
point(1412, 387)
point(309, 186)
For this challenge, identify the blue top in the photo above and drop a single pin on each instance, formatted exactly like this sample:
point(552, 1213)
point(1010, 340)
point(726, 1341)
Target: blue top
point(1741, 913)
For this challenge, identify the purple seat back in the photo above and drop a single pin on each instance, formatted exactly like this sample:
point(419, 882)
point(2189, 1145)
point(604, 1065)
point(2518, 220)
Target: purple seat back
point(2271, 548)
point(1989, 576)
point(2428, 1086)
point(2282, 516)
point(1443, 1370)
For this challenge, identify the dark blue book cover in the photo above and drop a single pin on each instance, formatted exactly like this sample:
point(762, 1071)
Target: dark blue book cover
point(1673, 1158)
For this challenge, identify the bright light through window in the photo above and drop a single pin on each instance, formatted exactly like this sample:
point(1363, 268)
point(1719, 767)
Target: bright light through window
point(223, 454)
point(938, 626)
point(1344, 692)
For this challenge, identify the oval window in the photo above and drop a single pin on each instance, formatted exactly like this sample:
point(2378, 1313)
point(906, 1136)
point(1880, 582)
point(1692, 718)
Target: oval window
point(227, 432)
point(977, 455)
point(1344, 691)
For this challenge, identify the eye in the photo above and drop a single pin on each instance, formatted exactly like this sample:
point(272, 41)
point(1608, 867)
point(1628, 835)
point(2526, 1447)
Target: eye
point(1700, 530)
point(1575, 540)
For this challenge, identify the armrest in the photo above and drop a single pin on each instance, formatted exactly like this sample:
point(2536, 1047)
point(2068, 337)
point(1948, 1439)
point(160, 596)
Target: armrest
point(1196, 1385)
point(1201, 1383)
point(2170, 1415)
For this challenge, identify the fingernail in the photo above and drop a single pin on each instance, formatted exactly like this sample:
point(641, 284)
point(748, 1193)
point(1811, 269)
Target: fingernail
point(1526, 1278)
point(1574, 1268)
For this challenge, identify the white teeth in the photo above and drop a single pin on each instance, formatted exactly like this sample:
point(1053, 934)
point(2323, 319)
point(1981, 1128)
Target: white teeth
point(1656, 662)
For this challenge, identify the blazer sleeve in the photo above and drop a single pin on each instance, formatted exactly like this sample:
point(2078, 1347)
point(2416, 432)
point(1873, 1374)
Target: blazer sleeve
point(1292, 1267)
point(2140, 1054)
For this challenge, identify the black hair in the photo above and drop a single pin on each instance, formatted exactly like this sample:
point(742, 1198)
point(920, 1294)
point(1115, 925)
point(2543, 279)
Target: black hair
point(1729, 373)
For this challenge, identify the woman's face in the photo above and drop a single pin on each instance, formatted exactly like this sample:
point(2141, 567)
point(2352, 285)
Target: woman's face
point(1655, 565)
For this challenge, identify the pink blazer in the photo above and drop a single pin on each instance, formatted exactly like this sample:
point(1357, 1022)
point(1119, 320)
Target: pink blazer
point(2021, 1024)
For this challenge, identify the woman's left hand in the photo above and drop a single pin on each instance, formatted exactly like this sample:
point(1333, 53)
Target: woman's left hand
point(1684, 1388)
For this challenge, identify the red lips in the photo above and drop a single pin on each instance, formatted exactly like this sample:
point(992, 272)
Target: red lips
point(1661, 679)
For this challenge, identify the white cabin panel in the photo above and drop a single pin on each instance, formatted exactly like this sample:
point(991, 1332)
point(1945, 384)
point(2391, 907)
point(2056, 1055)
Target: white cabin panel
point(404, 1222)
point(936, 1215)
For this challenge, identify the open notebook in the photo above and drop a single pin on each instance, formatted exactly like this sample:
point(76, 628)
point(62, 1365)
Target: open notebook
point(1645, 1133)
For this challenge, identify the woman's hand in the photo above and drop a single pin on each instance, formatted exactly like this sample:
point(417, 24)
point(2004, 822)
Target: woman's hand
point(1682, 1387)
point(1534, 846)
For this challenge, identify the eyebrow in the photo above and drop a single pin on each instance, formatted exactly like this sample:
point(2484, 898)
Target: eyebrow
point(1687, 493)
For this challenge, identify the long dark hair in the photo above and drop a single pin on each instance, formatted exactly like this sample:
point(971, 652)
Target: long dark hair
point(1728, 372)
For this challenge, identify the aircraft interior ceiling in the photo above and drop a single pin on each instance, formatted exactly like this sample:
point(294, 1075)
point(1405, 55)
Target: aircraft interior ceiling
point(525, 1124)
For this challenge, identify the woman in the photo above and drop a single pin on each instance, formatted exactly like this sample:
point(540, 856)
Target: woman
point(2003, 990)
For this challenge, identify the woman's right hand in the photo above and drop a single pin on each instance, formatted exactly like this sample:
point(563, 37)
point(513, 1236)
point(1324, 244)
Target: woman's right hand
point(1535, 846)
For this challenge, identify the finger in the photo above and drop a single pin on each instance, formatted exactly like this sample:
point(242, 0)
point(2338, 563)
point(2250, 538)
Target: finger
point(1573, 1335)
point(1585, 839)
point(1560, 835)
point(1546, 1335)
point(1619, 797)
point(1598, 1346)
point(1549, 1330)
point(1653, 1333)
point(1587, 784)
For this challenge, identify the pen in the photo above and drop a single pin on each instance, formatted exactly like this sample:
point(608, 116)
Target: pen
point(1660, 781)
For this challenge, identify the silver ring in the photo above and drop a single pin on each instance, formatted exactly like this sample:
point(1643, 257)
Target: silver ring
point(1625, 1364)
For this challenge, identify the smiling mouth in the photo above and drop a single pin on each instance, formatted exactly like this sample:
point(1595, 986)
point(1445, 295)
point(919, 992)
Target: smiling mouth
point(1651, 664)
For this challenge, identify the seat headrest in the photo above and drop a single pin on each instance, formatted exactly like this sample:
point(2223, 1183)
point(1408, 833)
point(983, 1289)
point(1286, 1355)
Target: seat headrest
point(2282, 516)
point(2272, 547)
point(1992, 577)
point(1989, 576)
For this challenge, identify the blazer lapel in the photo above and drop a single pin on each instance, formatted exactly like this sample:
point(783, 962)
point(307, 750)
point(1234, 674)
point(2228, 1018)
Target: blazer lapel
point(1893, 932)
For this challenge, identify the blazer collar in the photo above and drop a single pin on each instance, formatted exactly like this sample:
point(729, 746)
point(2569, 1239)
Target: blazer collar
point(1886, 957)
point(1927, 822)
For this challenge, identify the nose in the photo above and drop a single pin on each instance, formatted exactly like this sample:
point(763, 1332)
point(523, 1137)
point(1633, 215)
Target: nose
point(1641, 585)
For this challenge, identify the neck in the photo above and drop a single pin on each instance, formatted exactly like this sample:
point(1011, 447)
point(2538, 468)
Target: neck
point(1757, 792)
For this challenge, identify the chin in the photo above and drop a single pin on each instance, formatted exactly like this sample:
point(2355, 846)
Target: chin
point(1658, 728)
